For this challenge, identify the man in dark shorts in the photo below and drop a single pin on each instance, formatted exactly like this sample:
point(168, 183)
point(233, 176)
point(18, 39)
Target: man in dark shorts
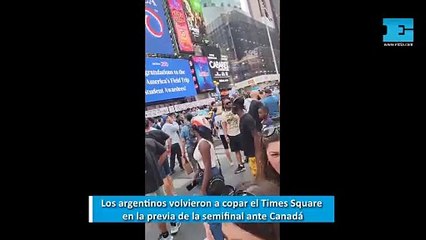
point(231, 129)
point(219, 128)
point(250, 136)
point(162, 138)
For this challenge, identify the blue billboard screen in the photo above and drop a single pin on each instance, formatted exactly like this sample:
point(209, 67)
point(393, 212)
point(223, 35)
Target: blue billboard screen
point(157, 37)
point(167, 79)
point(202, 71)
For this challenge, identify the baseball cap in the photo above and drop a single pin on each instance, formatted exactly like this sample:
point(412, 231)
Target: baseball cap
point(199, 121)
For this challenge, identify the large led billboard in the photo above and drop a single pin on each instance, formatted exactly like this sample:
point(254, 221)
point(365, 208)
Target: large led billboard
point(195, 19)
point(183, 36)
point(157, 37)
point(202, 72)
point(167, 79)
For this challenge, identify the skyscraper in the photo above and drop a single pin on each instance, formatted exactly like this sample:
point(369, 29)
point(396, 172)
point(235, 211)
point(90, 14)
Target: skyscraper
point(275, 4)
point(244, 40)
point(212, 9)
point(256, 12)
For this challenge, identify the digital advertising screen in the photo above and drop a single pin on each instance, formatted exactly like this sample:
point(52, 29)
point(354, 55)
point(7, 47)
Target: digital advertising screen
point(156, 29)
point(167, 79)
point(219, 65)
point(195, 19)
point(183, 36)
point(202, 72)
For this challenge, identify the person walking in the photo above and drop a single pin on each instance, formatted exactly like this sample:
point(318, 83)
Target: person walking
point(205, 156)
point(188, 140)
point(231, 130)
point(162, 138)
point(219, 128)
point(155, 155)
point(250, 136)
point(171, 127)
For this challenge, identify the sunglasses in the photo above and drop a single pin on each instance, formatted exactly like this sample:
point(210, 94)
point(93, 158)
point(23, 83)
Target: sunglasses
point(227, 103)
point(267, 132)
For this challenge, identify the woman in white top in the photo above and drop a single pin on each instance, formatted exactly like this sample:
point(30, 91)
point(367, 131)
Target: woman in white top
point(205, 156)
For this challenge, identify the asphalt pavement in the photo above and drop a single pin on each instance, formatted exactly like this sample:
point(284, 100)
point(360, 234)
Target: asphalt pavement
point(181, 180)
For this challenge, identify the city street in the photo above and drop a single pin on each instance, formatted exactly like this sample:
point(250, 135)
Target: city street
point(181, 180)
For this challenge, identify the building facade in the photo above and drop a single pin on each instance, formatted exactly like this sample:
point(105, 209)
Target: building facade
point(255, 10)
point(212, 9)
point(245, 41)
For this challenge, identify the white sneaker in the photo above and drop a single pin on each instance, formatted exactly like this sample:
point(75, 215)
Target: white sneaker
point(231, 163)
point(175, 229)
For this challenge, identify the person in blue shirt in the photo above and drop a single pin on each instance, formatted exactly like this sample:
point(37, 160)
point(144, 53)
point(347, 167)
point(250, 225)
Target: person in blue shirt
point(189, 140)
point(271, 102)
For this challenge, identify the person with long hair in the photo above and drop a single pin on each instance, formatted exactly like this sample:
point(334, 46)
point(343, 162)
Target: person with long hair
point(204, 154)
point(253, 231)
point(271, 154)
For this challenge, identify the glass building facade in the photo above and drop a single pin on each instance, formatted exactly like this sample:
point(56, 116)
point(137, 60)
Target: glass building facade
point(245, 41)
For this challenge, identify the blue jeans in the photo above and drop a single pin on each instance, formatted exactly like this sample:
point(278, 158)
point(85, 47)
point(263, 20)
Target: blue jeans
point(215, 228)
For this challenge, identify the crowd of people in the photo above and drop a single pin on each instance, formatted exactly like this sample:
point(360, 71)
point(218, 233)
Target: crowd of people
point(247, 125)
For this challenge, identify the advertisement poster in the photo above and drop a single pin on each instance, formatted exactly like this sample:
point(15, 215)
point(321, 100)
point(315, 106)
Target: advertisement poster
point(156, 29)
point(202, 71)
point(219, 66)
point(183, 36)
point(195, 19)
point(167, 79)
